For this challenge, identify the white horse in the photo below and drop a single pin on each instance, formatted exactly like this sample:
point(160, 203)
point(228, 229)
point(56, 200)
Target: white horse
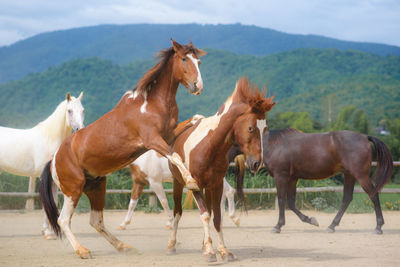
point(152, 169)
point(26, 152)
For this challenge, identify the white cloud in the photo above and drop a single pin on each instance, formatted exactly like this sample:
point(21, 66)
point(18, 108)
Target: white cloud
point(358, 20)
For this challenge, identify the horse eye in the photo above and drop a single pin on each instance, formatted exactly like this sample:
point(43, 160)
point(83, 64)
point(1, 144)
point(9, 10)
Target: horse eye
point(251, 129)
point(69, 111)
point(183, 59)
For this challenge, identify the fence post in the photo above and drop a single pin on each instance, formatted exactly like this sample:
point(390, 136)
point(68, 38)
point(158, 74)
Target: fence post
point(152, 200)
point(30, 202)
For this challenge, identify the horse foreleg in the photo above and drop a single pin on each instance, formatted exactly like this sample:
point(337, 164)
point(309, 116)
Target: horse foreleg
point(229, 193)
point(159, 190)
point(137, 190)
point(281, 188)
point(291, 198)
point(178, 189)
point(96, 193)
point(155, 142)
point(208, 251)
point(348, 190)
point(46, 231)
point(216, 196)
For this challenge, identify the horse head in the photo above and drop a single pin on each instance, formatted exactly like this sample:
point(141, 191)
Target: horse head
point(186, 66)
point(74, 112)
point(250, 127)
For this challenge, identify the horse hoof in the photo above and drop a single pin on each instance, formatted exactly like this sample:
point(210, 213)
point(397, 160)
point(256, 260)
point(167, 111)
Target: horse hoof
point(330, 230)
point(275, 230)
point(236, 221)
point(378, 231)
point(168, 226)
point(171, 251)
point(210, 257)
point(228, 257)
point(126, 248)
point(314, 221)
point(50, 237)
point(122, 227)
point(84, 253)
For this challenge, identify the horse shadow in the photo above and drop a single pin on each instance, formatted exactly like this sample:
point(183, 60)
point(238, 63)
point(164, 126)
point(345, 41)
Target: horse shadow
point(264, 252)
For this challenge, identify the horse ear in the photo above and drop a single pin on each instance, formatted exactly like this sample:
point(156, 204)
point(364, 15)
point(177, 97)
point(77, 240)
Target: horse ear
point(80, 96)
point(177, 47)
point(68, 97)
point(200, 53)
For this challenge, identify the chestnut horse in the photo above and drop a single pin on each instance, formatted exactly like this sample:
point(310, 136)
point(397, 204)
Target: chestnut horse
point(290, 154)
point(144, 118)
point(204, 148)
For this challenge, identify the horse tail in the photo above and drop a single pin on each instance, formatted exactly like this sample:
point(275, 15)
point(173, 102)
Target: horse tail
point(240, 169)
point(46, 195)
point(384, 166)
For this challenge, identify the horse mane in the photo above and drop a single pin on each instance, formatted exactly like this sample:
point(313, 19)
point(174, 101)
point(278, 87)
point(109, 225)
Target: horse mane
point(51, 125)
point(150, 77)
point(250, 94)
point(275, 136)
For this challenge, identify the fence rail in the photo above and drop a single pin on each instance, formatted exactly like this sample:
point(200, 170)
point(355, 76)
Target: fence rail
point(339, 189)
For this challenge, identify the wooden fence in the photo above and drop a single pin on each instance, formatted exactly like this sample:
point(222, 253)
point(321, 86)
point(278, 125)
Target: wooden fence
point(153, 200)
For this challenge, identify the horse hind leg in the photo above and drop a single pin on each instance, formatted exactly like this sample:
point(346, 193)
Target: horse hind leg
point(216, 195)
point(208, 251)
point(65, 223)
point(291, 196)
point(178, 189)
point(369, 188)
point(348, 190)
point(159, 190)
point(95, 190)
point(137, 190)
point(229, 193)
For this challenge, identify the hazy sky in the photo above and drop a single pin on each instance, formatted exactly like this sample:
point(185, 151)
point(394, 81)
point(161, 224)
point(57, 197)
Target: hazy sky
point(356, 20)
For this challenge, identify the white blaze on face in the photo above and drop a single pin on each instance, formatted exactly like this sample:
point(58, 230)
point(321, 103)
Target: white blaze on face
point(261, 124)
point(199, 81)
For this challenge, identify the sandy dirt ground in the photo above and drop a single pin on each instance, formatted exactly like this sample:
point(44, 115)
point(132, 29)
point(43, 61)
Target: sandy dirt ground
point(299, 244)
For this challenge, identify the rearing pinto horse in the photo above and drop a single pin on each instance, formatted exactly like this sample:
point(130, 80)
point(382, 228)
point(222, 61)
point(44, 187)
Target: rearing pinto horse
point(145, 118)
point(204, 148)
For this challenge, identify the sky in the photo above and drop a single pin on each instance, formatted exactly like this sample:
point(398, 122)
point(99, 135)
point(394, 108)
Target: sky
point(375, 21)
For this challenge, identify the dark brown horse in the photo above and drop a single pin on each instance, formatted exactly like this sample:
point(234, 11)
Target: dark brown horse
point(290, 155)
point(145, 118)
point(204, 149)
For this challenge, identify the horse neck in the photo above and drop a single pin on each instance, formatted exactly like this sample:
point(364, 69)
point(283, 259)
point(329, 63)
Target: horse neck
point(223, 134)
point(55, 126)
point(165, 88)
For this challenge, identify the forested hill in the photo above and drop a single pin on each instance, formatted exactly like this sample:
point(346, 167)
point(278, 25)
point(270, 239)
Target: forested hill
point(126, 43)
point(302, 80)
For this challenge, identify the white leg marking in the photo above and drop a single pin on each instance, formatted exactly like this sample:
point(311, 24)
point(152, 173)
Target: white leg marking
point(65, 219)
point(172, 237)
point(207, 243)
point(96, 220)
point(129, 214)
point(159, 190)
